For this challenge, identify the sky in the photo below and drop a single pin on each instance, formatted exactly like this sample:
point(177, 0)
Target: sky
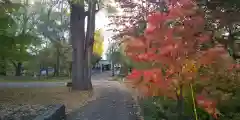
point(101, 22)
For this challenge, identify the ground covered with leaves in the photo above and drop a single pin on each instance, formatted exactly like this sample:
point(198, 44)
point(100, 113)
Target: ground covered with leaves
point(22, 111)
point(29, 102)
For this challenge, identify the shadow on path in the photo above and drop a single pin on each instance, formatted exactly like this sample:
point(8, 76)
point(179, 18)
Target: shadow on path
point(112, 102)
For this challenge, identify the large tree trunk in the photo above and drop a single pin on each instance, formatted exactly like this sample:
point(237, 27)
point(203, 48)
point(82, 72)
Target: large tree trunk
point(77, 37)
point(89, 41)
point(92, 38)
point(90, 52)
point(3, 68)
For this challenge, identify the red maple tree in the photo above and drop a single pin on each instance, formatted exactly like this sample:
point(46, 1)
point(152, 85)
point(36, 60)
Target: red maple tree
point(176, 44)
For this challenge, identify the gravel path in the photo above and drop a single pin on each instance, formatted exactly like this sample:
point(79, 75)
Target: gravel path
point(112, 101)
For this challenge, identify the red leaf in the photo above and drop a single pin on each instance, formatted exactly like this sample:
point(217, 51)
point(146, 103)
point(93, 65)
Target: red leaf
point(135, 74)
point(150, 28)
point(208, 104)
point(167, 49)
point(156, 18)
point(204, 38)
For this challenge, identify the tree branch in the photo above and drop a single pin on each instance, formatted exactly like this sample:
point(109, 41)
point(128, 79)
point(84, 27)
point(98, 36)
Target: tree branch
point(87, 13)
point(69, 2)
point(14, 64)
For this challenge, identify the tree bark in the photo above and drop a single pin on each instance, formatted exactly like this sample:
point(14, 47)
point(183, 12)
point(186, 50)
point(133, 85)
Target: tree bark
point(55, 68)
point(3, 68)
point(180, 104)
point(40, 67)
point(92, 37)
point(77, 22)
point(70, 70)
point(89, 41)
point(113, 69)
point(231, 42)
point(46, 72)
point(18, 69)
point(57, 61)
point(124, 70)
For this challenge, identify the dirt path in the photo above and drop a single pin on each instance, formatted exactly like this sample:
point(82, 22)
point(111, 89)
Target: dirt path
point(111, 101)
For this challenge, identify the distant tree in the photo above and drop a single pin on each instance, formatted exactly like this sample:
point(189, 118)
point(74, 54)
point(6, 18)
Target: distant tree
point(18, 36)
point(6, 39)
point(54, 26)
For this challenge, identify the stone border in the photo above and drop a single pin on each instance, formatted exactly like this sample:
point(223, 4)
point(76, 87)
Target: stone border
point(57, 113)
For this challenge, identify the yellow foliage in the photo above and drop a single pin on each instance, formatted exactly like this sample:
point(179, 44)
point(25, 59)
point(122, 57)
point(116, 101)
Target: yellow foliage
point(189, 66)
point(98, 43)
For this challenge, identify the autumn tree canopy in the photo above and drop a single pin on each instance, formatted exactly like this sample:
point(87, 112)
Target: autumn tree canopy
point(174, 49)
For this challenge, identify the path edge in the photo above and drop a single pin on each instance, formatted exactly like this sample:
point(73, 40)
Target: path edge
point(57, 113)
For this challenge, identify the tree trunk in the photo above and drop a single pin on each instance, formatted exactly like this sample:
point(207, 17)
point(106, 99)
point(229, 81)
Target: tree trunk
point(113, 68)
point(55, 69)
point(57, 61)
point(124, 70)
point(77, 22)
point(3, 68)
point(89, 68)
point(46, 72)
point(180, 104)
point(40, 68)
point(89, 42)
point(18, 69)
point(70, 70)
point(231, 42)
point(130, 69)
point(92, 37)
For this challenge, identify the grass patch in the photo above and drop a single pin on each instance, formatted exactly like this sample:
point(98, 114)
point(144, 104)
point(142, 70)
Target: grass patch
point(45, 96)
point(41, 80)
